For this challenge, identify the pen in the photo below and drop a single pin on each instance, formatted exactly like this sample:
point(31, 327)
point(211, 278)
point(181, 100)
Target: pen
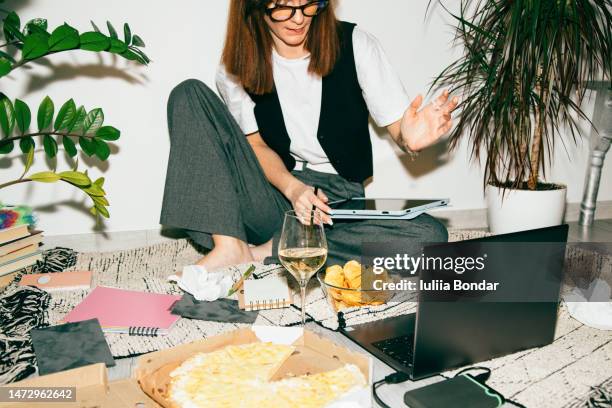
point(239, 284)
point(316, 191)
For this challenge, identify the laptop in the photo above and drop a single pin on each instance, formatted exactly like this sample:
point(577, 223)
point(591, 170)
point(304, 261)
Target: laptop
point(465, 328)
point(383, 208)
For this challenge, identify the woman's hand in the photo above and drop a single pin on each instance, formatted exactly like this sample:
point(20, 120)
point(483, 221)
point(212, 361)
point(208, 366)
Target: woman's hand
point(422, 128)
point(303, 199)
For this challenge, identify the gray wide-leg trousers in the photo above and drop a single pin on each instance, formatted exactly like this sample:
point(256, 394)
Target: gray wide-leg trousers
point(215, 185)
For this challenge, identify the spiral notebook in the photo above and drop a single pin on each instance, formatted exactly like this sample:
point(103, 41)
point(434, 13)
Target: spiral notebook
point(267, 293)
point(127, 311)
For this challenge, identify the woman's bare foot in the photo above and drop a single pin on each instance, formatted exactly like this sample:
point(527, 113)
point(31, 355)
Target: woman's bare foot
point(227, 251)
point(262, 251)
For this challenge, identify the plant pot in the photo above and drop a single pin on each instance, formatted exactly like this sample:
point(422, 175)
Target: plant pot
point(521, 210)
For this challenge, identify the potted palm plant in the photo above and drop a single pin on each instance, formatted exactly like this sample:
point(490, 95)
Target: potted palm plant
point(522, 78)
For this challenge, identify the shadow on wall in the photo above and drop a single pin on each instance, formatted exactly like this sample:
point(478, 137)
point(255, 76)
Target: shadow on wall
point(16, 5)
point(80, 206)
point(430, 159)
point(67, 72)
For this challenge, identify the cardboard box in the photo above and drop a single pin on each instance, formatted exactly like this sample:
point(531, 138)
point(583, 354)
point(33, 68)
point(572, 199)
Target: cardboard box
point(314, 354)
point(93, 390)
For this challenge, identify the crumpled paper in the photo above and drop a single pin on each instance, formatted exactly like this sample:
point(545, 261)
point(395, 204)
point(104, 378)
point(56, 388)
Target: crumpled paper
point(203, 285)
point(592, 306)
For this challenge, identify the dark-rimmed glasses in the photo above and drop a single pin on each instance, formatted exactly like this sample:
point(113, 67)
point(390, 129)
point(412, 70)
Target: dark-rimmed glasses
point(280, 13)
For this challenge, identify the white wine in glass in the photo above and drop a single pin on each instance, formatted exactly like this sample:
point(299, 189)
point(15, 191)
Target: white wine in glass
point(302, 249)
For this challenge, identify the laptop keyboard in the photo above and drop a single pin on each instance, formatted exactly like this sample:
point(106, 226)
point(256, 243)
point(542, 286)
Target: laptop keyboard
point(398, 348)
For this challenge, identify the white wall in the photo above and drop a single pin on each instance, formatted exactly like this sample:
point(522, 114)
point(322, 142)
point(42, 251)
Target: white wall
point(184, 39)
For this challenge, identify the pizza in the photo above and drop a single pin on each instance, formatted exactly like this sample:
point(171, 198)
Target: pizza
point(240, 376)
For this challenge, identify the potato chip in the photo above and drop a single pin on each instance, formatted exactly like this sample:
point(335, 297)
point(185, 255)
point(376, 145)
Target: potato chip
point(352, 274)
point(352, 298)
point(334, 275)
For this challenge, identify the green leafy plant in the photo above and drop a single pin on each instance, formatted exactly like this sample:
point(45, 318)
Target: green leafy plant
point(71, 127)
point(523, 77)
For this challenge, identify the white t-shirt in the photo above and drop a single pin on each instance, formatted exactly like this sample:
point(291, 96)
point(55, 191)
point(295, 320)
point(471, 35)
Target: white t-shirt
point(299, 93)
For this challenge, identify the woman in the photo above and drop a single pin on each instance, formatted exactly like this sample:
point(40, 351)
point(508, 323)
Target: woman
point(301, 86)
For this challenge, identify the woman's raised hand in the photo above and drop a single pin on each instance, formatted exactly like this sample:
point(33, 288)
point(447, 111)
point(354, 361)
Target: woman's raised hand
point(303, 199)
point(422, 128)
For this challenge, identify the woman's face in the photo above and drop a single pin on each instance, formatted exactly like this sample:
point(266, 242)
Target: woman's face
point(292, 32)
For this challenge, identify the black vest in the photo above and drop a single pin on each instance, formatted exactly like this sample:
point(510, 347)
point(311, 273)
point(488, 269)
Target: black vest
point(343, 125)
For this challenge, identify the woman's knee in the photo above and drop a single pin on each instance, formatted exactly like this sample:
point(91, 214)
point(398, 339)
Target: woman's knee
point(432, 229)
point(188, 88)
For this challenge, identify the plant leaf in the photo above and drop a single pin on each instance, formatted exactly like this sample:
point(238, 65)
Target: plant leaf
point(50, 146)
point(130, 55)
point(5, 66)
point(87, 146)
point(36, 26)
point(29, 160)
point(12, 27)
point(108, 133)
point(69, 146)
point(45, 177)
point(76, 177)
point(6, 146)
point(117, 46)
point(35, 46)
point(65, 116)
point(95, 27)
point(7, 116)
point(45, 113)
point(127, 34)
point(94, 41)
point(101, 200)
point(63, 38)
point(99, 182)
point(102, 149)
point(26, 144)
point(111, 30)
point(23, 116)
point(7, 56)
point(137, 41)
point(102, 210)
point(77, 122)
point(95, 190)
point(93, 121)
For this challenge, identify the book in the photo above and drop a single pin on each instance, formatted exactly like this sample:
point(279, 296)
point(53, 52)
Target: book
point(18, 253)
point(20, 263)
point(7, 279)
point(267, 293)
point(127, 311)
point(13, 233)
point(55, 282)
point(34, 238)
point(71, 345)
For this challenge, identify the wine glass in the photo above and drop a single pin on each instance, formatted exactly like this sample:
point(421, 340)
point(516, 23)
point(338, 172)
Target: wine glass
point(302, 248)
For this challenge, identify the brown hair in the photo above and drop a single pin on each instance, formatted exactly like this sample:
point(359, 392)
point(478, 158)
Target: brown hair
point(248, 44)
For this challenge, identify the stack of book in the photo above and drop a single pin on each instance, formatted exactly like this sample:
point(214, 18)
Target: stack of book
point(18, 250)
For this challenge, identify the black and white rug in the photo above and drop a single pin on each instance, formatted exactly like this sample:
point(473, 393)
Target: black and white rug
point(575, 369)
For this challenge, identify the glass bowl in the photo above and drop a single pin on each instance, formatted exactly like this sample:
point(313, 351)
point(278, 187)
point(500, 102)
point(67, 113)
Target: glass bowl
point(339, 298)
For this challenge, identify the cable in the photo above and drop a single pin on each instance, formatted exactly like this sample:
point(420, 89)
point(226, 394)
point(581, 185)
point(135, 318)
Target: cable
point(516, 404)
point(395, 378)
point(481, 378)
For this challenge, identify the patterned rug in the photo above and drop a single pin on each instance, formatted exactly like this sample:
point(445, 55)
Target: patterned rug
point(576, 370)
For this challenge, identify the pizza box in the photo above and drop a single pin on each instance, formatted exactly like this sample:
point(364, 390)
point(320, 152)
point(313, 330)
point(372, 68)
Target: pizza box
point(314, 354)
point(93, 390)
